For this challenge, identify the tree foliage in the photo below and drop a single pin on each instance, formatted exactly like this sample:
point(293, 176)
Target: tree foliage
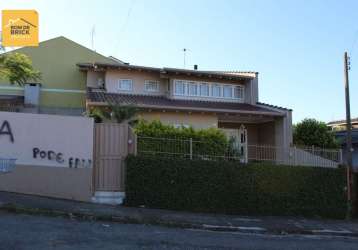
point(312, 132)
point(18, 69)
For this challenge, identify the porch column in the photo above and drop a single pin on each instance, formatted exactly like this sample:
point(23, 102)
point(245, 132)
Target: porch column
point(283, 137)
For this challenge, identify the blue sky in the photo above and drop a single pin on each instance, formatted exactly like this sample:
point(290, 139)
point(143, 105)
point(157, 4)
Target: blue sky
point(296, 46)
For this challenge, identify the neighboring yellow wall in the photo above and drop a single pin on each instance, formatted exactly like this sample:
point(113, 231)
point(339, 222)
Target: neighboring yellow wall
point(53, 99)
point(196, 120)
point(56, 59)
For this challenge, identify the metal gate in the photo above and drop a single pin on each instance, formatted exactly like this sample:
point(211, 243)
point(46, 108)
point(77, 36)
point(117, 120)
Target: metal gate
point(110, 150)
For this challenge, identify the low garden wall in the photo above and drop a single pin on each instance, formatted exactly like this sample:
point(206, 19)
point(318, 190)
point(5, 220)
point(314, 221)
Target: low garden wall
point(226, 187)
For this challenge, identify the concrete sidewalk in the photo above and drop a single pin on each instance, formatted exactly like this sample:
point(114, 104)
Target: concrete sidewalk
point(217, 222)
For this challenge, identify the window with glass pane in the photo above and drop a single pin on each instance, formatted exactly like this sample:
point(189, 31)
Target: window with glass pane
point(151, 86)
point(227, 91)
point(216, 90)
point(193, 88)
point(239, 92)
point(125, 84)
point(179, 88)
point(204, 89)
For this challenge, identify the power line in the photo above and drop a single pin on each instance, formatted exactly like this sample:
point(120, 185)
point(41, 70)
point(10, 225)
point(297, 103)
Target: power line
point(122, 29)
point(355, 39)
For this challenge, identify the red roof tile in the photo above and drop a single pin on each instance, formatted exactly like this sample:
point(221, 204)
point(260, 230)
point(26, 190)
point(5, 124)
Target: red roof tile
point(162, 102)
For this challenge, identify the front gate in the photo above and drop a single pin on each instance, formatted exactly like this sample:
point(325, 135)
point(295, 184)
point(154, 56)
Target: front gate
point(110, 149)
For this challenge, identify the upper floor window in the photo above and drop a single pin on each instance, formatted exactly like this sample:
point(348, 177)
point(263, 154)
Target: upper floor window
point(193, 89)
point(207, 89)
point(238, 92)
point(125, 84)
point(227, 91)
point(216, 90)
point(151, 86)
point(179, 88)
point(204, 89)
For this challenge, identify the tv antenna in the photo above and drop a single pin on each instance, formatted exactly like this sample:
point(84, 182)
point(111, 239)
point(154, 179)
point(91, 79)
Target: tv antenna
point(93, 33)
point(184, 54)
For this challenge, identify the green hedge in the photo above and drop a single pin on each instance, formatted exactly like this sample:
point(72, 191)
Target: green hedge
point(210, 141)
point(226, 187)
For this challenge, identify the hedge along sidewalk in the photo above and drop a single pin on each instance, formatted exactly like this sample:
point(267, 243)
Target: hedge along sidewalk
point(227, 187)
point(36, 205)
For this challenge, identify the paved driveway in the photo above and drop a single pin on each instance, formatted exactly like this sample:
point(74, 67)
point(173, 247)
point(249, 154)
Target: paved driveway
point(19, 231)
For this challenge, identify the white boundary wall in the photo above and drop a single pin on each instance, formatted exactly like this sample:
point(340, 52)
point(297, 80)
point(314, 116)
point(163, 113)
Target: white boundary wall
point(47, 140)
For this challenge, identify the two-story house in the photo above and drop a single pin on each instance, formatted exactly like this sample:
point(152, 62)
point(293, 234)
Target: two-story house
point(181, 97)
point(201, 99)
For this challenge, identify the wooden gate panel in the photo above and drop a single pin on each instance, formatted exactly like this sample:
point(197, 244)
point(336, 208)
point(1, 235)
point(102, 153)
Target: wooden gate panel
point(110, 150)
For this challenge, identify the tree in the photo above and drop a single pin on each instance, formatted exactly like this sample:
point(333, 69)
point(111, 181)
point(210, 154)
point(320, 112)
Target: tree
point(311, 132)
point(113, 113)
point(18, 69)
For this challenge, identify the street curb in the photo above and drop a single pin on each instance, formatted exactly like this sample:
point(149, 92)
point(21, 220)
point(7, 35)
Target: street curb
point(87, 216)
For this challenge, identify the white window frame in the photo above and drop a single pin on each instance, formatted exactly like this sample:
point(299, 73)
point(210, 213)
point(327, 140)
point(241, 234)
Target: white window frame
point(193, 83)
point(146, 84)
point(184, 87)
point(242, 91)
point(220, 88)
point(204, 84)
point(210, 86)
point(127, 90)
point(223, 90)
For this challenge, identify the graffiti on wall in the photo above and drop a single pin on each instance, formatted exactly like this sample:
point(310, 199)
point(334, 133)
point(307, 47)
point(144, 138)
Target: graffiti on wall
point(72, 162)
point(5, 131)
point(7, 135)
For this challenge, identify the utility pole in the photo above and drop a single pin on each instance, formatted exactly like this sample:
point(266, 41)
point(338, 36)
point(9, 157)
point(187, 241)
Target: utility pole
point(351, 182)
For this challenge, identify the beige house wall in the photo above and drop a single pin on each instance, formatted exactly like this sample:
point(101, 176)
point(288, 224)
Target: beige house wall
point(196, 120)
point(64, 183)
point(138, 77)
point(252, 91)
point(93, 78)
point(283, 130)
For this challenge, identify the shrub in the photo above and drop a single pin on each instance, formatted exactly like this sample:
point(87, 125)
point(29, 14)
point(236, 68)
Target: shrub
point(227, 187)
point(210, 141)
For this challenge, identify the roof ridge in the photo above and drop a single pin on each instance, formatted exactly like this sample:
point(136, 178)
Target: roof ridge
point(273, 106)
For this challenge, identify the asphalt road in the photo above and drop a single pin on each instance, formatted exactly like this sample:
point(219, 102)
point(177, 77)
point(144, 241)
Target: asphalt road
point(18, 231)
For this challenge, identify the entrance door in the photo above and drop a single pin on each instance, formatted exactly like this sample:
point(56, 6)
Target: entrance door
point(238, 138)
point(243, 143)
